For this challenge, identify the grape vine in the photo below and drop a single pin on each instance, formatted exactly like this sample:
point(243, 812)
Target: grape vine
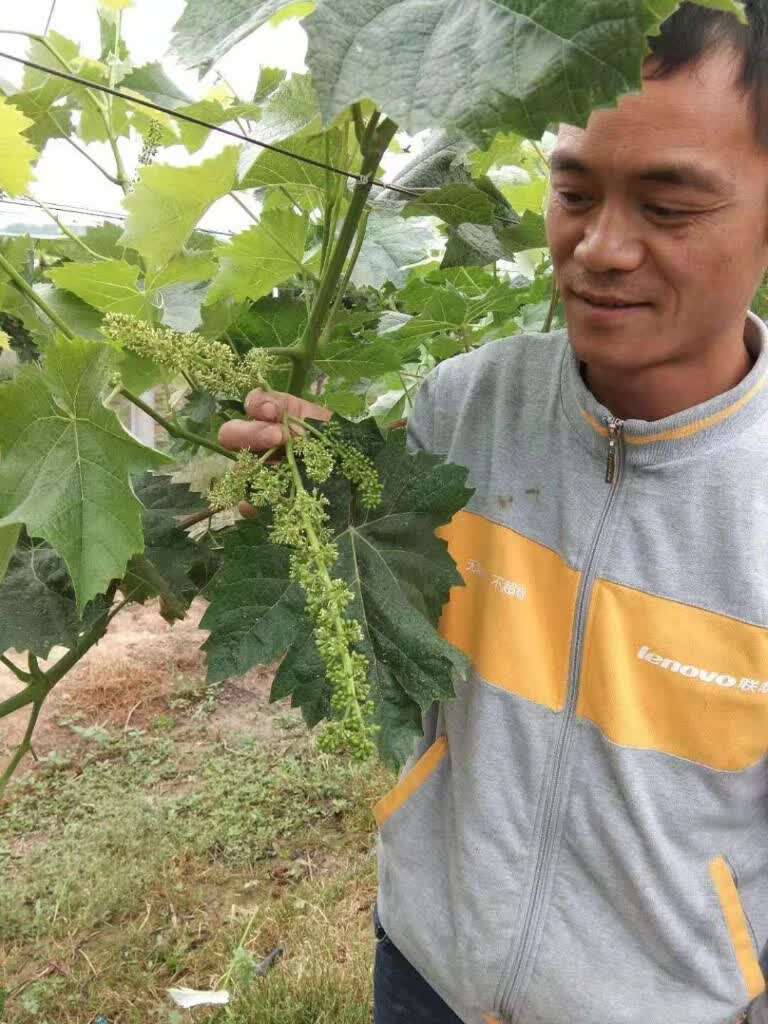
point(330, 286)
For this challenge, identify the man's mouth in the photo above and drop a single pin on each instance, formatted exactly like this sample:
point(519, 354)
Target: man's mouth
point(608, 302)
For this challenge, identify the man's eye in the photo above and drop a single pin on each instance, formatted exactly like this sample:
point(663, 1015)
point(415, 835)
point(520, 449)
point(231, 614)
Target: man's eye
point(571, 198)
point(667, 213)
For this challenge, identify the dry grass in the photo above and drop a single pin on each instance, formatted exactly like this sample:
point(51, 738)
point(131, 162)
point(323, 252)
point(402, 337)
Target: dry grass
point(134, 860)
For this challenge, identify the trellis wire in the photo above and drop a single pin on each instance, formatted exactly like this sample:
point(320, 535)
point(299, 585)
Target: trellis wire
point(231, 133)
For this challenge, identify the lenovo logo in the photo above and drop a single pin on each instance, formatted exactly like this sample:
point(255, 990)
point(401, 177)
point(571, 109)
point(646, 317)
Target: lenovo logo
point(702, 674)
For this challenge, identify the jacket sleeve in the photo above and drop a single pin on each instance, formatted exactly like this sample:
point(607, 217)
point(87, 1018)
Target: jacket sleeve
point(422, 420)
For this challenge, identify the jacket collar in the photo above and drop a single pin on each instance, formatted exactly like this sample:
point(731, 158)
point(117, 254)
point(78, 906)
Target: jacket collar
point(687, 433)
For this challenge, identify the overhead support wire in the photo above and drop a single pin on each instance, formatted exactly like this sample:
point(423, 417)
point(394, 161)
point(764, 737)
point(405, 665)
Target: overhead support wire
point(190, 119)
point(84, 211)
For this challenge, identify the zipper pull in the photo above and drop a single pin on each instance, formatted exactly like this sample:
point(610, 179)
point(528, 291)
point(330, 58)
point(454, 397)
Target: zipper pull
point(614, 436)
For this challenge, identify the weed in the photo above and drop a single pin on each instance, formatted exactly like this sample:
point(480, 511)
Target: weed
point(131, 867)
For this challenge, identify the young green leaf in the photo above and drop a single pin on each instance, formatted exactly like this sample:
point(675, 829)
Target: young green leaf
point(484, 67)
point(46, 120)
point(16, 152)
point(291, 110)
point(305, 182)
point(263, 256)
point(168, 202)
point(66, 464)
point(108, 285)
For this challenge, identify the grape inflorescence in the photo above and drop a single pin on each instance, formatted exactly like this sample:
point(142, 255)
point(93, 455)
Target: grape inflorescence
point(211, 364)
point(299, 516)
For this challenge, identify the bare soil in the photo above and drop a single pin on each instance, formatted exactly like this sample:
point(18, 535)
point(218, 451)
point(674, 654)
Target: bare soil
point(143, 668)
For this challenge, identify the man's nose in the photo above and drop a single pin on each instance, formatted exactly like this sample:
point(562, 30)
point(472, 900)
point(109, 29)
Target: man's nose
point(610, 241)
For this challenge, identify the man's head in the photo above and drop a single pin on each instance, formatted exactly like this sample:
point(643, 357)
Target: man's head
point(663, 201)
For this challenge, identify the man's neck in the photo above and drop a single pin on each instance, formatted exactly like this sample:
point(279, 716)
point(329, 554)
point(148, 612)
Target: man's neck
point(661, 391)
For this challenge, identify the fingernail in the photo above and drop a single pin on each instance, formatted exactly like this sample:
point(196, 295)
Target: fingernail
point(269, 411)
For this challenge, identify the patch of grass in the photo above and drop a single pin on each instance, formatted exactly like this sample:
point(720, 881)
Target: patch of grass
point(134, 868)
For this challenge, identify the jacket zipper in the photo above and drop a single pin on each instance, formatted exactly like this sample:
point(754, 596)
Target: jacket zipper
point(533, 912)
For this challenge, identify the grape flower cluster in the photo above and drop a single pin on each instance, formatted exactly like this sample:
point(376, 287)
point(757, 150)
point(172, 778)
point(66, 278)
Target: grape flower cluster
point(299, 511)
point(300, 522)
point(210, 364)
point(152, 138)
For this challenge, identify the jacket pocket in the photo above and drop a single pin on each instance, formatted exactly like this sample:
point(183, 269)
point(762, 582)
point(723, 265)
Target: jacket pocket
point(411, 782)
point(738, 927)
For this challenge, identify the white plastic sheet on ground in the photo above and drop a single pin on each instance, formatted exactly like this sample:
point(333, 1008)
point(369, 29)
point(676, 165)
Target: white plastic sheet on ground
point(190, 997)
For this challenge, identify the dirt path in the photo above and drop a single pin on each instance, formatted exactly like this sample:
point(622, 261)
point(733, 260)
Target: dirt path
point(133, 675)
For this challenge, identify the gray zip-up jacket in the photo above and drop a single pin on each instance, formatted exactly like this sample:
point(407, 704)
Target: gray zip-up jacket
point(582, 835)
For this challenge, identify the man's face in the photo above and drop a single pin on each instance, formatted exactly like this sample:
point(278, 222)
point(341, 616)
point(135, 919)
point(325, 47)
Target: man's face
point(662, 202)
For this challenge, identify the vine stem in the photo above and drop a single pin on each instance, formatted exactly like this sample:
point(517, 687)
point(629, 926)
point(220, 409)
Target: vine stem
point(41, 684)
point(33, 297)
point(173, 429)
point(65, 229)
point(25, 677)
point(341, 290)
point(552, 307)
point(100, 108)
point(375, 144)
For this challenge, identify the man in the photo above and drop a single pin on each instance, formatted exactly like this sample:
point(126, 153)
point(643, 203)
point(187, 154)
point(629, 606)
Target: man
point(582, 835)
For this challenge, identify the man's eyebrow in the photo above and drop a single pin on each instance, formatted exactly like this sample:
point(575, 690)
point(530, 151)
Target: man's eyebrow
point(677, 173)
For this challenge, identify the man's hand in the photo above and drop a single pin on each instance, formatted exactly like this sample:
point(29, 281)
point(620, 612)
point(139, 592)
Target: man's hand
point(264, 428)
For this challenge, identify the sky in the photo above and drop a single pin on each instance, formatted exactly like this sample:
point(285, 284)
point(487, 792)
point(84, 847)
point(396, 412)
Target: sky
point(63, 176)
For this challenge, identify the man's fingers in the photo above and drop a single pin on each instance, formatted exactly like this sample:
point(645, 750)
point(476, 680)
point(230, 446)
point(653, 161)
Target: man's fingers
point(247, 511)
point(253, 434)
point(264, 429)
point(272, 407)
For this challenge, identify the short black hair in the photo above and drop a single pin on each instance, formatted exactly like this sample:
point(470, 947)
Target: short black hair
point(693, 32)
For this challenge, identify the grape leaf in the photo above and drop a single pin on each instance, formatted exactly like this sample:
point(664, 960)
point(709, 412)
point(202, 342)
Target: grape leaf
point(304, 181)
point(258, 259)
point(66, 461)
point(105, 240)
point(730, 6)
point(530, 233)
point(454, 204)
point(182, 306)
point(484, 67)
point(37, 602)
point(151, 81)
point(168, 202)
point(8, 537)
point(291, 110)
point(399, 572)
point(351, 359)
point(270, 321)
point(108, 285)
point(47, 121)
point(205, 31)
point(16, 151)
point(81, 318)
point(269, 80)
point(194, 136)
point(168, 563)
point(391, 246)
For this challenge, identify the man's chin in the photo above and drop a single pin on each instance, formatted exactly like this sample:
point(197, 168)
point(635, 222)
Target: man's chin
point(619, 350)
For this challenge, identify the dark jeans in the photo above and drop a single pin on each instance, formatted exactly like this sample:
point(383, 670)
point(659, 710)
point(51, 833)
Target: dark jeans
point(400, 994)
